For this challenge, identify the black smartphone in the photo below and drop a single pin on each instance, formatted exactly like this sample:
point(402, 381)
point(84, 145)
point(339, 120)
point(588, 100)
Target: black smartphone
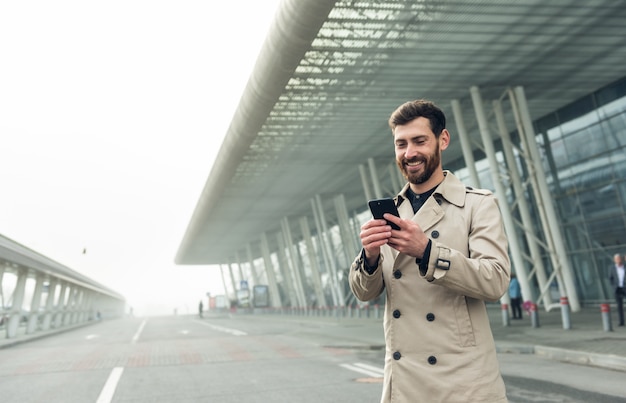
point(378, 207)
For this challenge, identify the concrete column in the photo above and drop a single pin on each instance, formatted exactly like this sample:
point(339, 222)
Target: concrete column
point(69, 306)
point(253, 272)
point(466, 146)
point(224, 284)
point(326, 255)
point(34, 305)
point(524, 211)
point(233, 283)
point(326, 237)
point(60, 305)
point(295, 266)
point(52, 289)
point(315, 269)
point(564, 266)
point(286, 272)
point(349, 241)
point(366, 185)
point(16, 307)
point(378, 193)
point(275, 298)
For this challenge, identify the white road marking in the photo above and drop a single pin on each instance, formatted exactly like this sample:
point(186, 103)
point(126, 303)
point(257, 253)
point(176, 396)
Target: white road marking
point(106, 395)
point(234, 332)
point(365, 369)
point(91, 336)
point(136, 336)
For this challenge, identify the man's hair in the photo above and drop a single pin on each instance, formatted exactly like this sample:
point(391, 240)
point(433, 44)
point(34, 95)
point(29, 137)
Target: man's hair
point(412, 110)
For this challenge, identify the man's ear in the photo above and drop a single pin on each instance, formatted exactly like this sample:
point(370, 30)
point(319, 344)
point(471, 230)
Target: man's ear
point(444, 139)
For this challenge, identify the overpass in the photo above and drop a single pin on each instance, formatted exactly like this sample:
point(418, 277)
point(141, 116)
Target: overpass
point(308, 144)
point(48, 296)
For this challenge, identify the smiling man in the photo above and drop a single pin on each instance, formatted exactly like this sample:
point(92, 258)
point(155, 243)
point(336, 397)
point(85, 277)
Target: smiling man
point(449, 256)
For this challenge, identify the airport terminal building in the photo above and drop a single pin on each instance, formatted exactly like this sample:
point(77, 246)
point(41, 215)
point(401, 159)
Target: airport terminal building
point(535, 96)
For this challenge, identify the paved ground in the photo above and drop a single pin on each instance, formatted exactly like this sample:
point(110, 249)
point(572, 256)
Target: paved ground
point(586, 342)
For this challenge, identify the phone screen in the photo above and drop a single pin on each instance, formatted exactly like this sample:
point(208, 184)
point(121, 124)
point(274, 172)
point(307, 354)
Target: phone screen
point(378, 207)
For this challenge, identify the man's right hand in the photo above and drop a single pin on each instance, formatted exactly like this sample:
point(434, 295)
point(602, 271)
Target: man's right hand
point(374, 234)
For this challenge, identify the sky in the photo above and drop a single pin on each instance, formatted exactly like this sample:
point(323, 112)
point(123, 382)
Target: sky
point(111, 115)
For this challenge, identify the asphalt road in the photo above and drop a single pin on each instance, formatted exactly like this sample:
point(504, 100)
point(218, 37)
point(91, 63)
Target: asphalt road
point(247, 359)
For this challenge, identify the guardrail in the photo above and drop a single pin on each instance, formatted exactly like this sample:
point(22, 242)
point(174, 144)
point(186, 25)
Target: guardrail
point(46, 295)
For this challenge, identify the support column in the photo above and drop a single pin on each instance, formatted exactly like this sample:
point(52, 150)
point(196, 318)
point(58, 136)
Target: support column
point(293, 258)
point(47, 319)
point(466, 146)
point(378, 193)
point(271, 275)
point(326, 255)
point(253, 273)
point(233, 283)
point(16, 307)
point(60, 306)
point(315, 269)
point(224, 284)
point(34, 305)
point(524, 210)
point(324, 233)
point(564, 266)
point(284, 266)
point(349, 243)
point(366, 185)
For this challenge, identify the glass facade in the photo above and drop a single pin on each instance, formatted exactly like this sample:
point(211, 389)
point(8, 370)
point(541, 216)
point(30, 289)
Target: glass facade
point(586, 150)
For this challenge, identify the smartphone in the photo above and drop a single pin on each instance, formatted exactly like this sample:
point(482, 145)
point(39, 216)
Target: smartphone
point(378, 207)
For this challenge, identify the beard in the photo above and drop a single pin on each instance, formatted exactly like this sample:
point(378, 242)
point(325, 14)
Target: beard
point(431, 164)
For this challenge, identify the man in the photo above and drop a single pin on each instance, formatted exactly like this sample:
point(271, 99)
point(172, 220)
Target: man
point(616, 277)
point(449, 255)
point(515, 293)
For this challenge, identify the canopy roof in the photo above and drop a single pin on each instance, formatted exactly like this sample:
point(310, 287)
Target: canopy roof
point(331, 72)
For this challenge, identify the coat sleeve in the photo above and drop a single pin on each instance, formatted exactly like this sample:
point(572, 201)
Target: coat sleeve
point(366, 286)
point(484, 272)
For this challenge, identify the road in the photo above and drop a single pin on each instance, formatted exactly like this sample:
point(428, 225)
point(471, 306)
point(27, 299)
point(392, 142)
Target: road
point(247, 359)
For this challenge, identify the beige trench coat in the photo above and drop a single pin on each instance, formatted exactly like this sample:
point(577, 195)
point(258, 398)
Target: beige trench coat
point(439, 345)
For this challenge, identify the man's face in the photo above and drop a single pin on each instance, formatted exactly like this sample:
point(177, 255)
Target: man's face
point(618, 260)
point(418, 151)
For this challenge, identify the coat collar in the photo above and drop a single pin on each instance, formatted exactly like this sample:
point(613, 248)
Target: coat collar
point(451, 189)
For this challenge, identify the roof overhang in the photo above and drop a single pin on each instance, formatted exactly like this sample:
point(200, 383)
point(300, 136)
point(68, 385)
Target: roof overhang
point(330, 73)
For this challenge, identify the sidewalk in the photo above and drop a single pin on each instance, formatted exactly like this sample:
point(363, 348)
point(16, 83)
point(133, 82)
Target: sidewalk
point(586, 342)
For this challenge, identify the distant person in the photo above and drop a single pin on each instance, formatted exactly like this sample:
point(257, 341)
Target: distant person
point(616, 277)
point(200, 308)
point(449, 256)
point(515, 293)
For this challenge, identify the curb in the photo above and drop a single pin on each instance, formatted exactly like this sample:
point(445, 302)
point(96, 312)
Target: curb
point(606, 361)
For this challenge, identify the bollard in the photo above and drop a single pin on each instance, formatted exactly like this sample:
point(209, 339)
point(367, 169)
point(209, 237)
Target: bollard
point(606, 317)
point(505, 315)
point(565, 314)
point(534, 315)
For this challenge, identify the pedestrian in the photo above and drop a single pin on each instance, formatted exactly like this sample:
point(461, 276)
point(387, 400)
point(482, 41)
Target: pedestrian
point(449, 256)
point(515, 293)
point(616, 278)
point(200, 308)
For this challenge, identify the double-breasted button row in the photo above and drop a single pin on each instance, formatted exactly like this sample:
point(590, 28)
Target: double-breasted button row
point(432, 360)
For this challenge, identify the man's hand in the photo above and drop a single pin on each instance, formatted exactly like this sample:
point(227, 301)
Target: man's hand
point(374, 234)
point(410, 239)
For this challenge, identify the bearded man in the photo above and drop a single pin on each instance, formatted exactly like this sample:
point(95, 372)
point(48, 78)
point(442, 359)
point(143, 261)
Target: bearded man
point(448, 257)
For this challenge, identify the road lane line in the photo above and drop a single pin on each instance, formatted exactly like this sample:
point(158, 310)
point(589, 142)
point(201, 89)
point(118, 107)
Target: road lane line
point(234, 332)
point(369, 367)
point(377, 373)
point(136, 336)
point(106, 395)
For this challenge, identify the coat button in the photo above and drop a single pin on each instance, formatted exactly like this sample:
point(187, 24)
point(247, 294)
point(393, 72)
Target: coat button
point(435, 234)
point(397, 355)
point(396, 313)
point(397, 274)
point(432, 360)
point(430, 317)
